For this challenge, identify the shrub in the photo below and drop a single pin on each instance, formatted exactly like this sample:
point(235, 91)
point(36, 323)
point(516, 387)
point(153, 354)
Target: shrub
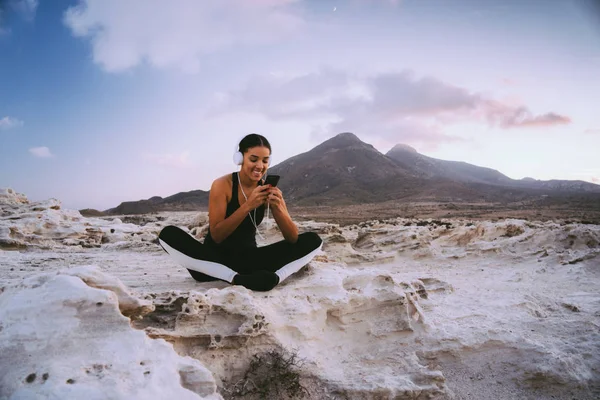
point(270, 375)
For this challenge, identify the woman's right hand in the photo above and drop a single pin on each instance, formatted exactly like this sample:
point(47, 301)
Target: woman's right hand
point(257, 197)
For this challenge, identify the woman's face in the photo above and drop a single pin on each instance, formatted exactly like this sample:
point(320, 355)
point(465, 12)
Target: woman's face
point(256, 162)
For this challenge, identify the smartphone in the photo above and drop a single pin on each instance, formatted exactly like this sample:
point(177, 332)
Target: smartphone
point(272, 180)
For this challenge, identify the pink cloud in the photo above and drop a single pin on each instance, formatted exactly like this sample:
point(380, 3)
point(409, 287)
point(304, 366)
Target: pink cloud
point(391, 106)
point(544, 120)
point(514, 117)
point(400, 95)
point(592, 131)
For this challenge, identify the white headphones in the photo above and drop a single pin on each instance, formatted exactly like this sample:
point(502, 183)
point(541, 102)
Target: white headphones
point(238, 157)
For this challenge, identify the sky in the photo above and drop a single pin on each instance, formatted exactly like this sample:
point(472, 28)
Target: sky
point(104, 101)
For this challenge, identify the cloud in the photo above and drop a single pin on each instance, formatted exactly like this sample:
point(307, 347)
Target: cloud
point(285, 97)
point(170, 160)
point(24, 8)
point(392, 106)
point(515, 117)
point(400, 95)
point(9, 123)
point(42, 152)
point(542, 120)
point(595, 180)
point(592, 131)
point(176, 34)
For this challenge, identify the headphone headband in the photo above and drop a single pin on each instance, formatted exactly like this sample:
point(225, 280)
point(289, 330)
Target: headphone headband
point(238, 156)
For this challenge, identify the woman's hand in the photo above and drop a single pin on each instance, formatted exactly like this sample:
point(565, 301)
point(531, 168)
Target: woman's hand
point(281, 215)
point(275, 199)
point(257, 197)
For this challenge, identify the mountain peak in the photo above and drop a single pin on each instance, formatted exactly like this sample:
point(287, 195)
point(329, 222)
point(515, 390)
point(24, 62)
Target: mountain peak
point(347, 136)
point(342, 140)
point(403, 147)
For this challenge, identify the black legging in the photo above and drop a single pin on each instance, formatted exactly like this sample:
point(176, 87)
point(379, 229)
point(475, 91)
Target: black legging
point(282, 258)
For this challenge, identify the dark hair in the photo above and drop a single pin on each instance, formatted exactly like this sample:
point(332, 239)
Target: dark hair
point(253, 140)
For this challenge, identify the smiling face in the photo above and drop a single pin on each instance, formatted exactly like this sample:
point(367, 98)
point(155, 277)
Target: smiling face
point(256, 162)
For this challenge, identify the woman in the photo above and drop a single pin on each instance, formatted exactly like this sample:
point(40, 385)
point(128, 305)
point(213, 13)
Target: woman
point(236, 207)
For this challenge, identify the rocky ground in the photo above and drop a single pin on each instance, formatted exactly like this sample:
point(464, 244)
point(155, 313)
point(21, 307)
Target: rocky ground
point(445, 308)
point(586, 212)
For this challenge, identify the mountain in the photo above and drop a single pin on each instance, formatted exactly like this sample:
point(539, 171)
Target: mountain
point(342, 169)
point(459, 171)
point(183, 201)
point(345, 170)
point(558, 185)
point(428, 167)
point(90, 212)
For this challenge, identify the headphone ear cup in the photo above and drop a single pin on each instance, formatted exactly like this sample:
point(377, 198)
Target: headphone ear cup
point(238, 158)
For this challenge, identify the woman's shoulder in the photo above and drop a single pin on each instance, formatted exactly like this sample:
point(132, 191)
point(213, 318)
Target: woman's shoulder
point(225, 178)
point(222, 183)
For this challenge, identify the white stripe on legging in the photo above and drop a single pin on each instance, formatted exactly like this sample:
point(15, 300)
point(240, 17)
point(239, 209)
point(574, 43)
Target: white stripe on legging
point(213, 269)
point(295, 265)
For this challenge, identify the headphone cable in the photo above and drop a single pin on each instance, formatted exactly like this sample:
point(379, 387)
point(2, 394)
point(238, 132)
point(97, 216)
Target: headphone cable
point(250, 215)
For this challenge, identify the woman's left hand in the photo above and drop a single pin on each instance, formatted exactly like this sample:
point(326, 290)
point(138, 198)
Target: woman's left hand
point(281, 215)
point(275, 199)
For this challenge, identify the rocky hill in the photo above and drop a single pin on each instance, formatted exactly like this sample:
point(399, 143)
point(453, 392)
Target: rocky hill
point(182, 201)
point(460, 171)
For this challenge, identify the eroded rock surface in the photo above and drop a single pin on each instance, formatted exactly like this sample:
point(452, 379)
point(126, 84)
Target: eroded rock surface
point(399, 308)
point(63, 338)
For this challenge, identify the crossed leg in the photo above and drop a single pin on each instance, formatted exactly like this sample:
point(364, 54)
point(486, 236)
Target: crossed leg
point(259, 268)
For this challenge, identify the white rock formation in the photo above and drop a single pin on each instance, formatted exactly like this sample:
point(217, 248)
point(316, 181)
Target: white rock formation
point(62, 337)
point(45, 225)
point(346, 326)
point(400, 308)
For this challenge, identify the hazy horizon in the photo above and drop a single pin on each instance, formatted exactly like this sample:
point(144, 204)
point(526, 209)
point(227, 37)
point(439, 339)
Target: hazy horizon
point(107, 101)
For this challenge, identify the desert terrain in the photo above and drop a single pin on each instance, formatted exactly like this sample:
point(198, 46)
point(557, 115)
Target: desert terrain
point(393, 308)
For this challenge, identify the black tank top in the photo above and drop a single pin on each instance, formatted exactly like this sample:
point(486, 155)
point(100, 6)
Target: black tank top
point(245, 234)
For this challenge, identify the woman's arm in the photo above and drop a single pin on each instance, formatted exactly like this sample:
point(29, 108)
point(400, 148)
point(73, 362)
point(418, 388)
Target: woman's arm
point(221, 227)
point(281, 215)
